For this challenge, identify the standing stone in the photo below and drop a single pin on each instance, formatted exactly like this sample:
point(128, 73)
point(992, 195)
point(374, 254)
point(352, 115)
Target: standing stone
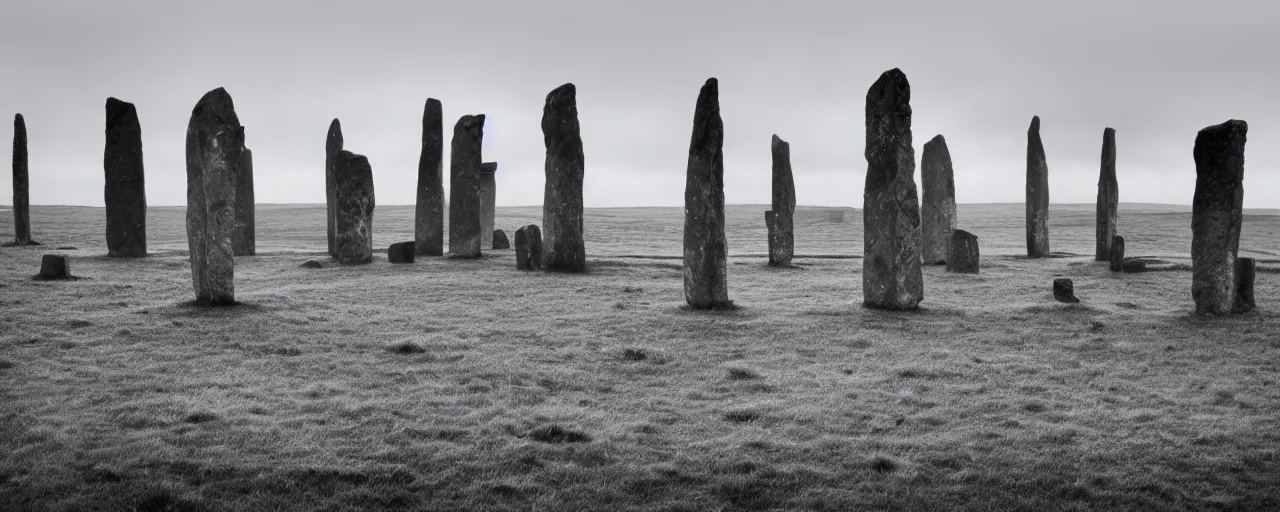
point(1037, 194)
point(1116, 253)
point(464, 187)
point(428, 218)
point(333, 144)
point(962, 252)
point(488, 194)
point(1216, 214)
point(54, 266)
point(1108, 197)
point(401, 252)
point(1064, 291)
point(1245, 271)
point(214, 141)
point(125, 192)
point(705, 250)
point(781, 219)
point(522, 249)
point(938, 209)
point(533, 235)
point(243, 241)
point(891, 275)
point(562, 198)
point(353, 208)
point(500, 240)
point(21, 199)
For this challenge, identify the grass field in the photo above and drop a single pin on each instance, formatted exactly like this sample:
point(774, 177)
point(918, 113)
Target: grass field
point(466, 385)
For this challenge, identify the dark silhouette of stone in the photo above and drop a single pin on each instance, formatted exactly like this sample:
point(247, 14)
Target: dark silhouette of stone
point(21, 180)
point(125, 193)
point(563, 244)
point(1108, 197)
point(705, 250)
point(311, 264)
point(488, 194)
point(1116, 253)
point(54, 266)
point(401, 252)
point(354, 208)
point(1245, 272)
point(428, 218)
point(332, 145)
point(214, 141)
point(1064, 291)
point(1132, 266)
point(1037, 194)
point(1216, 215)
point(500, 240)
point(780, 220)
point(464, 187)
point(962, 252)
point(938, 204)
point(522, 249)
point(243, 240)
point(891, 275)
point(529, 248)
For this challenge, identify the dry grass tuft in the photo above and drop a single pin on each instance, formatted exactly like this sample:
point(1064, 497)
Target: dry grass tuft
point(737, 373)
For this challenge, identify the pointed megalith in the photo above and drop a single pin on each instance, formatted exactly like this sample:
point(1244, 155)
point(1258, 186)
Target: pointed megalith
point(1108, 197)
point(332, 145)
point(780, 219)
point(464, 187)
point(1037, 194)
point(353, 208)
point(891, 275)
point(214, 141)
point(563, 244)
point(1216, 211)
point(488, 194)
point(428, 216)
point(125, 193)
point(243, 241)
point(21, 199)
point(938, 204)
point(705, 251)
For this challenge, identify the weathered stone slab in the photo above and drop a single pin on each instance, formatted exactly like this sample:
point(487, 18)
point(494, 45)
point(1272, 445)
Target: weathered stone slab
point(529, 248)
point(891, 275)
point(125, 193)
point(1108, 197)
point(333, 144)
point(401, 252)
point(1133, 266)
point(522, 248)
point(563, 244)
point(1064, 291)
point(464, 187)
point(1116, 253)
point(243, 240)
point(962, 252)
point(705, 250)
point(428, 218)
point(500, 240)
point(354, 208)
point(1246, 269)
point(1216, 211)
point(54, 266)
point(938, 204)
point(1037, 194)
point(488, 196)
point(21, 181)
point(214, 142)
point(780, 219)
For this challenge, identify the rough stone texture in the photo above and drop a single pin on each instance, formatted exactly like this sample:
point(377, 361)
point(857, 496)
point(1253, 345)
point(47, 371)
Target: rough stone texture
point(428, 217)
point(333, 144)
point(1108, 196)
point(1037, 194)
point(705, 251)
point(533, 235)
point(21, 199)
point(1064, 291)
point(938, 204)
point(1116, 253)
point(962, 252)
point(488, 195)
point(1216, 215)
point(522, 248)
point(214, 141)
point(243, 240)
point(354, 208)
point(780, 220)
point(125, 193)
point(891, 275)
point(500, 240)
point(401, 252)
point(563, 244)
point(464, 187)
point(1133, 266)
point(1245, 272)
point(54, 266)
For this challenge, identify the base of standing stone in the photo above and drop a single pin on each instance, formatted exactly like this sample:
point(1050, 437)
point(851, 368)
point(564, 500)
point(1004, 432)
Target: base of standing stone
point(16, 244)
point(1117, 253)
point(1064, 291)
point(714, 306)
point(1245, 271)
point(962, 252)
point(401, 252)
point(1132, 266)
point(54, 266)
point(500, 241)
point(534, 234)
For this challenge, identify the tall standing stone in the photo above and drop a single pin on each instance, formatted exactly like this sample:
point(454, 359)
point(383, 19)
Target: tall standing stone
point(21, 199)
point(214, 141)
point(1037, 194)
point(705, 250)
point(1216, 211)
point(780, 219)
point(563, 244)
point(354, 208)
point(244, 242)
point(938, 206)
point(332, 145)
point(125, 193)
point(522, 248)
point(488, 194)
point(428, 218)
point(891, 275)
point(1108, 196)
point(464, 187)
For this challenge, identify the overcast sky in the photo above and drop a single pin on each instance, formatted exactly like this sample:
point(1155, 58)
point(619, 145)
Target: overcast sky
point(1156, 71)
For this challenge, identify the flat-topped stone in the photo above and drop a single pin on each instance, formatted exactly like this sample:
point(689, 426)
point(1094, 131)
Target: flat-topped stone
point(54, 266)
point(1064, 291)
point(124, 193)
point(354, 208)
point(962, 252)
point(401, 252)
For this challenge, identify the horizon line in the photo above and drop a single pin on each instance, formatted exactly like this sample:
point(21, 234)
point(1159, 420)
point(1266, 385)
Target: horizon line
point(10, 207)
